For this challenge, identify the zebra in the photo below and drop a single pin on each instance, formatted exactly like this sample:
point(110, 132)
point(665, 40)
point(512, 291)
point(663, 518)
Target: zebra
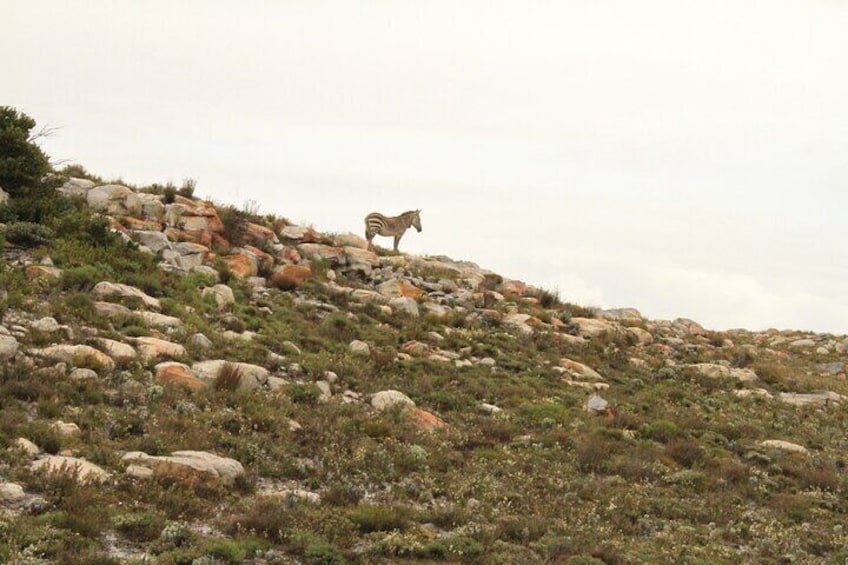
point(378, 224)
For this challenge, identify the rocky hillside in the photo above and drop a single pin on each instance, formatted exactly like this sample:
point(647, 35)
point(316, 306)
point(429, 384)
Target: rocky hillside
point(185, 382)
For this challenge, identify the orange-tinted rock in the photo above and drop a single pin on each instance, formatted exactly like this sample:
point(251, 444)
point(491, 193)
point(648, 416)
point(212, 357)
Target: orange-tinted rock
point(511, 288)
point(260, 235)
point(219, 244)
point(242, 265)
point(425, 420)
point(177, 375)
point(266, 261)
point(136, 224)
point(192, 236)
point(42, 271)
point(290, 276)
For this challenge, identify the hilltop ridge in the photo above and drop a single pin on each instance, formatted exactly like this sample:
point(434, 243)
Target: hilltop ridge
point(189, 382)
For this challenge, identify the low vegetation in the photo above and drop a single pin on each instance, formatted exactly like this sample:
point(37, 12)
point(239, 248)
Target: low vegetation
point(502, 459)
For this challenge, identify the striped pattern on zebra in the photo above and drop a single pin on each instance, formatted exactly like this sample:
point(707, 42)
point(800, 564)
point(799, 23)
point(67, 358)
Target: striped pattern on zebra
point(378, 224)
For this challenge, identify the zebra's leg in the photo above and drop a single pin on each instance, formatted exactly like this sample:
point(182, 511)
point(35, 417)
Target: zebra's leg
point(397, 240)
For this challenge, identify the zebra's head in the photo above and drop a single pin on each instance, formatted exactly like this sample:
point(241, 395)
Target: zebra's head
point(416, 220)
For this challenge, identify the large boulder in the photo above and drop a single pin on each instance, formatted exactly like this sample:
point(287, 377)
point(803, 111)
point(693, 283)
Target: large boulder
point(388, 399)
point(177, 375)
point(242, 264)
point(115, 200)
point(8, 347)
point(250, 376)
point(320, 252)
point(189, 466)
point(396, 288)
point(76, 355)
point(822, 399)
point(85, 471)
point(223, 295)
point(156, 241)
point(156, 320)
point(76, 187)
point(105, 289)
point(260, 235)
point(716, 371)
point(579, 369)
point(288, 277)
point(154, 348)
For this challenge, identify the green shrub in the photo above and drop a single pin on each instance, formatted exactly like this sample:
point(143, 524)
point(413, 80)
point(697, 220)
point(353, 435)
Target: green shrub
point(28, 234)
point(380, 518)
point(662, 431)
point(23, 165)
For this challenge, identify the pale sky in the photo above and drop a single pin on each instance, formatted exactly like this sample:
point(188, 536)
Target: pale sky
point(689, 159)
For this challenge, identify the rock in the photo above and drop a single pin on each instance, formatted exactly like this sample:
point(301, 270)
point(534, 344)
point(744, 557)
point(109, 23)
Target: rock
point(251, 376)
point(111, 310)
point(34, 272)
point(76, 187)
point(78, 355)
point(715, 371)
point(320, 252)
point(291, 348)
point(177, 375)
point(156, 320)
point(621, 315)
point(521, 322)
point(689, 326)
point(222, 294)
point(115, 200)
point(11, 492)
point(86, 472)
point(784, 446)
point(591, 327)
point(642, 337)
point(297, 233)
point(105, 289)
point(359, 348)
point(396, 288)
point(425, 420)
point(288, 277)
point(490, 408)
point(512, 288)
point(118, 351)
point(580, 370)
point(415, 348)
point(189, 465)
point(596, 404)
point(831, 369)
point(325, 392)
point(260, 235)
point(405, 305)
point(156, 241)
point(388, 399)
point(297, 495)
point(152, 206)
point(802, 343)
point(139, 472)
point(199, 341)
point(751, 392)
point(27, 446)
point(242, 265)
point(82, 374)
point(154, 348)
point(66, 429)
point(351, 240)
point(8, 347)
point(46, 325)
point(824, 399)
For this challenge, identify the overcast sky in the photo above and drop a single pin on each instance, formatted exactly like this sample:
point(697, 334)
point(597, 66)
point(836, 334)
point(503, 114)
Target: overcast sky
point(689, 159)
